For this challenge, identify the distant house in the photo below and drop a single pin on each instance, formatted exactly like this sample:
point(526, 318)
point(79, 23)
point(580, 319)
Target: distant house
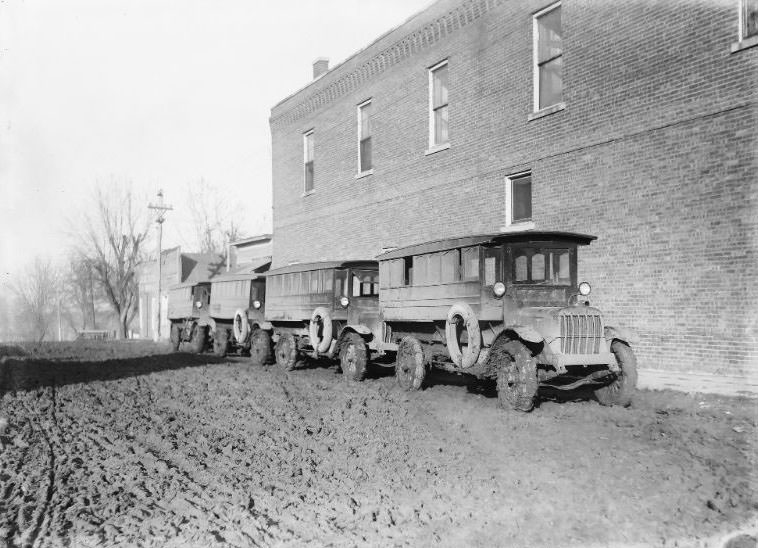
point(176, 267)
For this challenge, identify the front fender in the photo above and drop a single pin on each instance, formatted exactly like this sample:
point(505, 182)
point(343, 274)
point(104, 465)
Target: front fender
point(629, 336)
point(207, 322)
point(527, 333)
point(362, 330)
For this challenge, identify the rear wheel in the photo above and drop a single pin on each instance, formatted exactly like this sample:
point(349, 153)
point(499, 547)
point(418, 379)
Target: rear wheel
point(620, 390)
point(410, 367)
point(220, 342)
point(286, 351)
point(260, 347)
point(197, 342)
point(517, 380)
point(176, 336)
point(353, 357)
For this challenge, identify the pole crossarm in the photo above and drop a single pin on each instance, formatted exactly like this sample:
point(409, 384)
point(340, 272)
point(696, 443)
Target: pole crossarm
point(161, 208)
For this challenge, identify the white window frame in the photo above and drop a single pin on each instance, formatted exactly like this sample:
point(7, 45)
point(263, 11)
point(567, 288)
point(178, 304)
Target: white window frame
point(430, 76)
point(743, 41)
point(305, 162)
point(363, 172)
point(535, 60)
point(510, 224)
point(743, 10)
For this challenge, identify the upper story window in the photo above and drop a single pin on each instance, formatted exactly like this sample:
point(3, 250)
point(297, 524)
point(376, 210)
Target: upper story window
point(548, 57)
point(518, 198)
point(365, 162)
point(438, 106)
point(308, 161)
point(748, 19)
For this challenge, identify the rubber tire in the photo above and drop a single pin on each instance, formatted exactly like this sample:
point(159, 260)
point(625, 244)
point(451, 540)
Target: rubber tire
point(240, 328)
point(353, 357)
point(410, 365)
point(260, 347)
point(220, 341)
point(286, 351)
point(175, 336)
point(517, 382)
point(462, 359)
point(321, 345)
point(197, 342)
point(620, 391)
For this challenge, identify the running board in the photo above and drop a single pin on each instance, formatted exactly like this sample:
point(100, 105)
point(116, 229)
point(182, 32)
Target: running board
point(594, 378)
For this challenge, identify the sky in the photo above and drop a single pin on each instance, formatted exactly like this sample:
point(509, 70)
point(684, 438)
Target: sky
point(158, 94)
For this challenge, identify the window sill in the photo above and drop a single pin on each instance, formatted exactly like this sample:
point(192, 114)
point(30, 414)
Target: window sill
point(363, 174)
point(436, 148)
point(308, 193)
point(745, 44)
point(546, 111)
point(518, 226)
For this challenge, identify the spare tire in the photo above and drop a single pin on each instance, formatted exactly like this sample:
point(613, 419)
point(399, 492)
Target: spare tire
point(463, 358)
point(321, 317)
point(240, 326)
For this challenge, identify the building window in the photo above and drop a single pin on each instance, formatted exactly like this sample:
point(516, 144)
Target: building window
point(548, 57)
point(438, 107)
point(748, 19)
point(308, 160)
point(364, 137)
point(518, 198)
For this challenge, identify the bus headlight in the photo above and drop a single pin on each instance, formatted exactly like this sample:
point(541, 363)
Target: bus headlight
point(584, 289)
point(498, 289)
point(256, 304)
point(344, 302)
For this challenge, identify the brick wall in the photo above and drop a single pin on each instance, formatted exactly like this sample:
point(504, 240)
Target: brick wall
point(655, 153)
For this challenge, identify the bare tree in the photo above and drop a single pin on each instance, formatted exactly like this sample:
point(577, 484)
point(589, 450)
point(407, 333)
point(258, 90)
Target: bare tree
point(36, 291)
point(217, 217)
point(80, 290)
point(112, 244)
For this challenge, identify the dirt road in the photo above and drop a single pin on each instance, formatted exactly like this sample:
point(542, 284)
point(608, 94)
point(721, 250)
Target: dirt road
point(226, 454)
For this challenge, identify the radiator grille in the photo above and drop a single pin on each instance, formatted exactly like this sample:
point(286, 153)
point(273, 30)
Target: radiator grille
point(581, 332)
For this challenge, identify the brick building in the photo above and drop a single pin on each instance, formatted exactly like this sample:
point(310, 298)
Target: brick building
point(633, 121)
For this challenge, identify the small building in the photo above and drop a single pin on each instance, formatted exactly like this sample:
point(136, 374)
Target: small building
point(248, 250)
point(176, 267)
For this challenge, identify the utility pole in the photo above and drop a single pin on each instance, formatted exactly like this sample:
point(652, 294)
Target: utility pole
point(161, 210)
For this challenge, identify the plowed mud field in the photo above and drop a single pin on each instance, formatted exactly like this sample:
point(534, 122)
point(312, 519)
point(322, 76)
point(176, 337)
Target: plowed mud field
point(135, 446)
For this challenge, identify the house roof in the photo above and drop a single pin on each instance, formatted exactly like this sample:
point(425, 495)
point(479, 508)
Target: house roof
point(199, 267)
point(465, 241)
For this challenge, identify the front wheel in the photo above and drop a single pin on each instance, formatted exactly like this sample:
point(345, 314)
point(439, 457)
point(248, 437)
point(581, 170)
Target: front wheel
point(517, 380)
point(197, 342)
point(286, 351)
point(353, 357)
point(220, 342)
point(176, 336)
point(410, 366)
point(620, 390)
point(260, 347)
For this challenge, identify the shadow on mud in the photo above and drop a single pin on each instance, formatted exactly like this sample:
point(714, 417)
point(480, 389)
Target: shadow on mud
point(488, 388)
point(28, 374)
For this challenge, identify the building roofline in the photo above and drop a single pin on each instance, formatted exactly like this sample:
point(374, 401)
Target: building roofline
point(356, 54)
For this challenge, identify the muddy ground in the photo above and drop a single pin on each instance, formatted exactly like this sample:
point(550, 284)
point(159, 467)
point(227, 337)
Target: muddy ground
point(160, 449)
